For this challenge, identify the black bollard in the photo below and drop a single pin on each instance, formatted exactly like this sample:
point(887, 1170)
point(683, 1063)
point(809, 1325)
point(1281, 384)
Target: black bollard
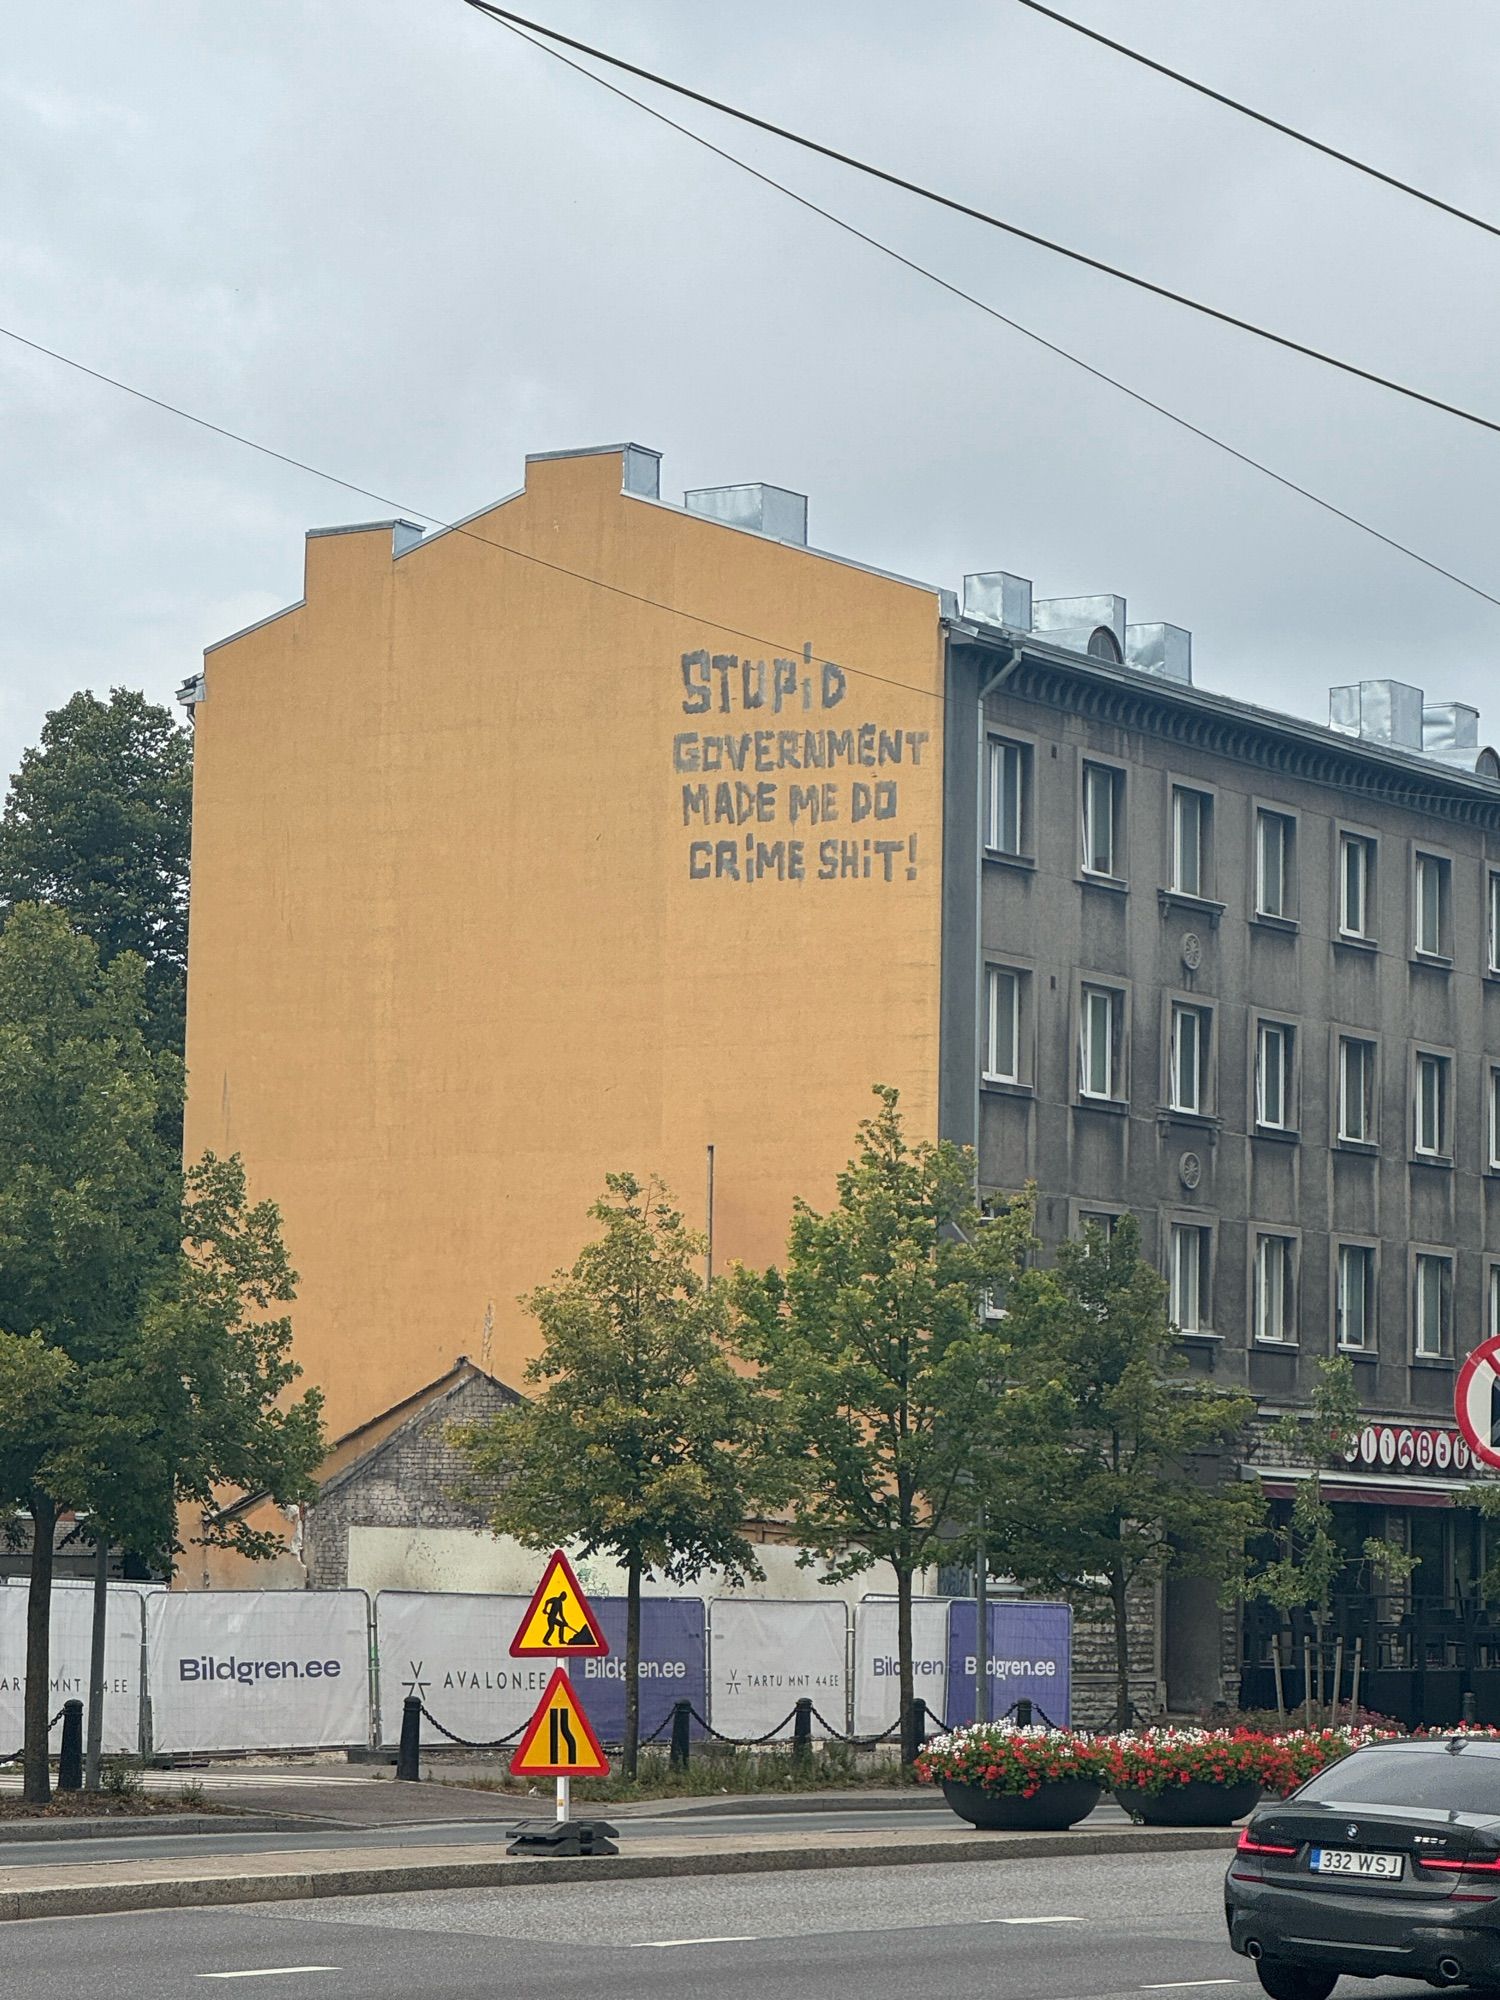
point(1023, 1714)
point(918, 1723)
point(802, 1729)
point(70, 1757)
point(682, 1742)
point(1469, 1707)
point(408, 1757)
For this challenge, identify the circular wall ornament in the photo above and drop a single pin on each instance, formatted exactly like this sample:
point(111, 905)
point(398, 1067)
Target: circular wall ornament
point(1190, 1170)
point(1192, 950)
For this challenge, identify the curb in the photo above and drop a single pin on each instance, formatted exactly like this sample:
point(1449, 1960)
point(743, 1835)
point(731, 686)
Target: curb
point(302, 1885)
point(129, 1826)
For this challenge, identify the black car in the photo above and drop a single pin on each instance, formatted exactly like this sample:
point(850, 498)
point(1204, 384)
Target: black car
point(1387, 1864)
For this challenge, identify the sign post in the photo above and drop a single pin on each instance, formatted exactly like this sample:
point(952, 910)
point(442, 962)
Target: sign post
point(1476, 1401)
point(559, 1741)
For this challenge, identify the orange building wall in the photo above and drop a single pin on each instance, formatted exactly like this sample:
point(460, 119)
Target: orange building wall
point(449, 963)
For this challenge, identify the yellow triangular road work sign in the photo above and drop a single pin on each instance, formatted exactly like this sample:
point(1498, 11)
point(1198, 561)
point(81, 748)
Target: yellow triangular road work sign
point(559, 1619)
point(559, 1740)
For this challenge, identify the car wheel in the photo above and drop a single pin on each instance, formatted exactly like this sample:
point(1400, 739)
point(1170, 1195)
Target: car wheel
point(1295, 1982)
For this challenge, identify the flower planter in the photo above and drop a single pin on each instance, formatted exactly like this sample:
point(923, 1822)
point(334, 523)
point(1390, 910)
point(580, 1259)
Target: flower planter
point(1055, 1804)
point(1197, 1803)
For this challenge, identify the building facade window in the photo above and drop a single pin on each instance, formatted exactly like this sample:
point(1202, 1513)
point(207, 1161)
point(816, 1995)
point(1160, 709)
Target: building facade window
point(1356, 885)
point(1275, 864)
point(1432, 899)
point(1356, 1090)
point(1354, 1298)
point(1008, 813)
point(1189, 1050)
point(1432, 1106)
point(1101, 1054)
point(1103, 802)
point(1105, 1220)
point(1188, 1277)
point(1492, 1304)
point(1432, 1305)
point(1492, 1121)
point(1492, 924)
point(1275, 1045)
point(1192, 816)
point(1002, 1042)
point(1275, 1315)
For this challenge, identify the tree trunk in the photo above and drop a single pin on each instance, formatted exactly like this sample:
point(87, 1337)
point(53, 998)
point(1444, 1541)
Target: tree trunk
point(910, 1744)
point(1122, 1646)
point(37, 1780)
point(632, 1666)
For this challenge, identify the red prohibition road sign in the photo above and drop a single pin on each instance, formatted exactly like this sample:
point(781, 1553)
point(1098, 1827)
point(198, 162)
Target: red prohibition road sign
point(1476, 1401)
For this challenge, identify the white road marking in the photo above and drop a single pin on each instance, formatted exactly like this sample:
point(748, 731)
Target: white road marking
point(1030, 1920)
point(269, 1972)
point(1177, 1985)
point(671, 1944)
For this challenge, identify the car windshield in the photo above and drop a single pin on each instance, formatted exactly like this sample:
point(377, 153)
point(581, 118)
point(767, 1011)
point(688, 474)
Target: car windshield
point(1414, 1777)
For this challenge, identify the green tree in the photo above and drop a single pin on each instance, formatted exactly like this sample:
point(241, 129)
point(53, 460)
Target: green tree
point(98, 823)
point(876, 1341)
point(643, 1442)
point(1303, 1574)
point(1115, 1451)
point(139, 1364)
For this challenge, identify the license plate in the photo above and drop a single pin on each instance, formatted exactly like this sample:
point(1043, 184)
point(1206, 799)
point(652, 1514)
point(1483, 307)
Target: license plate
point(1350, 1861)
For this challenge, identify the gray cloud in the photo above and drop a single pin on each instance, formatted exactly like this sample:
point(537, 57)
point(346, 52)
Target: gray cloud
point(396, 242)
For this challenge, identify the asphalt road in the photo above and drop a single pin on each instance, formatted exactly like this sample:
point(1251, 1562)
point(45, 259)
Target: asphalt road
point(1086, 1928)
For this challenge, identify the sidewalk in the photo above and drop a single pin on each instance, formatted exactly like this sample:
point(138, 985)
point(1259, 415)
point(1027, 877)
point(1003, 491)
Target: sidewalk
point(71, 1887)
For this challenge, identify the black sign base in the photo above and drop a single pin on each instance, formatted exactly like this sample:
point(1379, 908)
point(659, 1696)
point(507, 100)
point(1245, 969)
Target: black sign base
point(563, 1838)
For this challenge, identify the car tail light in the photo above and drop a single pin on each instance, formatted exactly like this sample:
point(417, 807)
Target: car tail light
point(1247, 1844)
point(1448, 1866)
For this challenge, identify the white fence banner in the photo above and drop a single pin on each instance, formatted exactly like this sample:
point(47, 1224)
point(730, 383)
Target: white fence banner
point(72, 1635)
point(877, 1682)
point(258, 1669)
point(452, 1651)
point(764, 1657)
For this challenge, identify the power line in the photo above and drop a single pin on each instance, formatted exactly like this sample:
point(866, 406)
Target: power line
point(504, 18)
point(1261, 117)
point(1016, 326)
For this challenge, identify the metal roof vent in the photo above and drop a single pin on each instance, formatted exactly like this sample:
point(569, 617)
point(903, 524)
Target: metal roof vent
point(1379, 711)
point(1163, 650)
point(999, 598)
point(1450, 733)
point(1094, 625)
point(766, 510)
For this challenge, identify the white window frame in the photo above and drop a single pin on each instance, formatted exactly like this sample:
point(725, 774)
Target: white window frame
point(1432, 876)
point(1492, 1301)
point(1110, 780)
point(1184, 796)
point(1365, 1136)
point(1274, 1276)
point(1190, 1035)
point(1431, 1267)
point(1003, 827)
point(1432, 1109)
point(995, 978)
point(1189, 1276)
point(1282, 1035)
point(1492, 922)
point(1368, 1293)
point(1492, 1120)
point(1284, 905)
point(1359, 849)
point(1114, 1028)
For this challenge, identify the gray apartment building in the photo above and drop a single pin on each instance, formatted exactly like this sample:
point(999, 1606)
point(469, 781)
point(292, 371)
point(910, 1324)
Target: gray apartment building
point(1240, 974)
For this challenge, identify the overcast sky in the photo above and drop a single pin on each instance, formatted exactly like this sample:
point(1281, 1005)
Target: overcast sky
point(394, 241)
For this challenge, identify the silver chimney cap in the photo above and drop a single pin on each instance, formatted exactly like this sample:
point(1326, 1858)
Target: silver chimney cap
point(767, 510)
point(999, 598)
point(1164, 650)
point(1379, 711)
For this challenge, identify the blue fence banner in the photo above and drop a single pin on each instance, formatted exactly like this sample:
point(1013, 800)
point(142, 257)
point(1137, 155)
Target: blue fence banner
point(674, 1665)
point(1030, 1659)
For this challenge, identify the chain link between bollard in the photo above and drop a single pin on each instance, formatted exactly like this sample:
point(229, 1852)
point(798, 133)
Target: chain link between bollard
point(467, 1743)
point(16, 1755)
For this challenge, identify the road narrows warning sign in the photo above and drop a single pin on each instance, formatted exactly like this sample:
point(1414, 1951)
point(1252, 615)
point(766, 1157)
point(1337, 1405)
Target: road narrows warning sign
point(559, 1620)
point(559, 1740)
